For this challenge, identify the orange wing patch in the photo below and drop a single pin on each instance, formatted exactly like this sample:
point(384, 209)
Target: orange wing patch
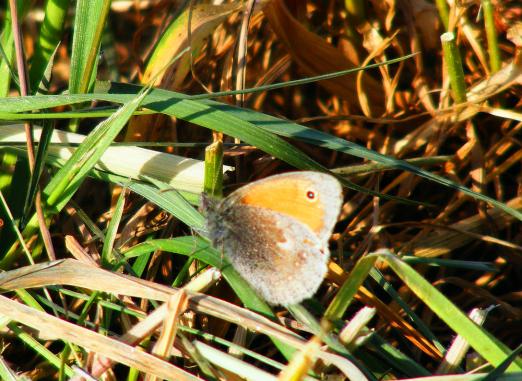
point(292, 198)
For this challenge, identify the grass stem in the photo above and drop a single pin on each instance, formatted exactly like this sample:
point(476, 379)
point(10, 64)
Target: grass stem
point(213, 184)
point(495, 62)
point(454, 66)
point(442, 7)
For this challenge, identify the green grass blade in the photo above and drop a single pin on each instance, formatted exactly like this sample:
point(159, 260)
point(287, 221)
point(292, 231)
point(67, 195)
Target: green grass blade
point(108, 244)
point(41, 153)
point(478, 338)
point(48, 39)
point(255, 128)
point(346, 293)
point(7, 52)
point(414, 318)
point(321, 139)
point(6, 373)
point(88, 27)
point(65, 183)
point(213, 183)
point(31, 342)
point(200, 249)
point(69, 178)
point(171, 201)
point(496, 373)
point(303, 81)
point(452, 263)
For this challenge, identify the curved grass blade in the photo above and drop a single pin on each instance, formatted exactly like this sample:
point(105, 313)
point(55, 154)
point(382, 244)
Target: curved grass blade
point(200, 249)
point(88, 26)
point(479, 339)
point(65, 183)
point(255, 128)
point(107, 256)
point(49, 37)
point(321, 139)
point(500, 370)
point(169, 200)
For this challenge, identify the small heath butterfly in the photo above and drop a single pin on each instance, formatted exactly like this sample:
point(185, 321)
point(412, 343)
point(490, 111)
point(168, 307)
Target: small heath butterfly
point(275, 232)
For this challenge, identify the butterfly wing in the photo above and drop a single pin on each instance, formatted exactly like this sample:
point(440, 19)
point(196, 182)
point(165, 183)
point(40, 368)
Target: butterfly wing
point(275, 232)
point(312, 198)
point(281, 258)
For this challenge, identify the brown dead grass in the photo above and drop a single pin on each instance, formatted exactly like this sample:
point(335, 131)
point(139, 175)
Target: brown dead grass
point(405, 111)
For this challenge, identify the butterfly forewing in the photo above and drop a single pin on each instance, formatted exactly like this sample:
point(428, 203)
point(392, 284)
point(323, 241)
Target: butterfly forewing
point(312, 198)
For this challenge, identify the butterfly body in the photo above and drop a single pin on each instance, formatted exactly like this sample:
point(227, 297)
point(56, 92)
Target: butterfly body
point(275, 233)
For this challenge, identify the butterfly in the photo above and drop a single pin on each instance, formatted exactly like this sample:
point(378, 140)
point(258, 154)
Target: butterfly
point(275, 232)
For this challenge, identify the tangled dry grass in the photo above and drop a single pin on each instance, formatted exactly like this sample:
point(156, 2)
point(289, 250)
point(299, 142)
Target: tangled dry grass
point(143, 300)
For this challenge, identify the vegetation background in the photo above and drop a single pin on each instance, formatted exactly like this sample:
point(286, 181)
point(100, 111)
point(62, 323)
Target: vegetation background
point(117, 115)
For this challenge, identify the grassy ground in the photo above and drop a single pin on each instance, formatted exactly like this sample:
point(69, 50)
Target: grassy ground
point(116, 116)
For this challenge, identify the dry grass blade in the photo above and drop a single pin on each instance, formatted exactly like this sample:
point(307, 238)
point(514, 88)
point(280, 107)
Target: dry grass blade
point(441, 243)
point(72, 272)
point(498, 82)
point(315, 56)
point(78, 251)
point(176, 305)
point(302, 362)
point(92, 341)
point(133, 336)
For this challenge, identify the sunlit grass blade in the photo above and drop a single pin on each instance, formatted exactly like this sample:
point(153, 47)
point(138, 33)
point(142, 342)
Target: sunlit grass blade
point(213, 184)
point(69, 178)
point(200, 249)
point(479, 339)
point(204, 18)
point(6, 373)
point(499, 371)
point(88, 26)
point(170, 200)
point(233, 364)
point(108, 244)
point(319, 138)
point(48, 39)
point(65, 183)
point(258, 129)
point(346, 293)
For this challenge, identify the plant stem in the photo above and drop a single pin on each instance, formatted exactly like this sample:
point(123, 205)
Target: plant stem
point(213, 183)
point(442, 7)
point(454, 66)
point(494, 52)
